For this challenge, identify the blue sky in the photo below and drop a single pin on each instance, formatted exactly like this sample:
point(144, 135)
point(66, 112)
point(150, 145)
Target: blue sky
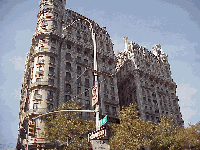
point(174, 24)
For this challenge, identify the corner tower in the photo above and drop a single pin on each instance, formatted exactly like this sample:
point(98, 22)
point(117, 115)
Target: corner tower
point(40, 87)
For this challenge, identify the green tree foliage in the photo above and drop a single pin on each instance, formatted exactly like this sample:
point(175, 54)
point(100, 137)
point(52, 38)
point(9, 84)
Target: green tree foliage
point(68, 129)
point(133, 133)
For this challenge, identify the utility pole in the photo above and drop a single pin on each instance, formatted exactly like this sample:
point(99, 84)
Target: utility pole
point(95, 90)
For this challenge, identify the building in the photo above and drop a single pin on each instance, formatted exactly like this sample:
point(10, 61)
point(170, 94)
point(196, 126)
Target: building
point(145, 78)
point(59, 67)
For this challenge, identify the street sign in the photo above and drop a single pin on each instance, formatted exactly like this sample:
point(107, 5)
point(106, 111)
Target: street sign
point(97, 134)
point(100, 144)
point(94, 96)
point(104, 120)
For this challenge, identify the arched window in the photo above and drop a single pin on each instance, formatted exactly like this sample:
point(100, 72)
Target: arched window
point(78, 69)
point(68, 76)
point(68, 88)
point(67, 98)
point(68, 56)
point(68, 66)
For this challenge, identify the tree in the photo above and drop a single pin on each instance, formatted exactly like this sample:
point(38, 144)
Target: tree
point(68, 129)
point(168, 135)
point(164, 134)
point(132, 132)
point(189, 138)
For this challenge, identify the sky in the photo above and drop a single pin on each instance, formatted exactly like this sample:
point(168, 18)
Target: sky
point(174, 24)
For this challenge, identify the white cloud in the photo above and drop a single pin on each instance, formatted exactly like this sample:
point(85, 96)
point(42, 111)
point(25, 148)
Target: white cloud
point(16, 93)
point(187, 113)
point(118, 47)
point(19, 62)
point(185, 93)
point(187, 103)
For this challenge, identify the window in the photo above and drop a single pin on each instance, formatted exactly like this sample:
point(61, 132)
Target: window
point(105, 87)
point(78, 59)
point(112, 90)
point(87, 84)
point(51, 81)
point(37, 92)
point(68, 88)
point(111, 80)
point(78, 33)
point(78, 50)
point(85, 61)
point(86, 73)
point(38, 80)
point(55, 14)
point(87, 102)
point(53, 49)
point(86, 52)
point(54, 23)
point(50, 94)
point(40, 59)
point(114, 109)
point(107, 47)
point(68, 66)
point(144, 98)
point(52, 59)
point(113, 98)
point(68, 46)
point(67, 98)
point(107, 108)
point(68, 76)
point(78, 90)
point(35, 106)
point(53, 40)
point(105, 97)
point(79, 81)
point(86, 92)
point(51, 70)
point(87, 114)
point(50, 107)
point(68, 56)
point(78, 69)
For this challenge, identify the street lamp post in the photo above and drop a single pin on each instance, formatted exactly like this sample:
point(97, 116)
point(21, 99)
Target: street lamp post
point(95, 90)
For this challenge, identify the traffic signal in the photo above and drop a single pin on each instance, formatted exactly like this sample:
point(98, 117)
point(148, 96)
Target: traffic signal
point(31, 129)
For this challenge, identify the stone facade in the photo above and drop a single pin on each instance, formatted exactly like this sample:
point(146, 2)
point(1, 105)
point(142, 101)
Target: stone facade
point(145, 78)
point(59, 67)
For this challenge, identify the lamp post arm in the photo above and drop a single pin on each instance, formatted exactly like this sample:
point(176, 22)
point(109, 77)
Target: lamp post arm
point(89, 111)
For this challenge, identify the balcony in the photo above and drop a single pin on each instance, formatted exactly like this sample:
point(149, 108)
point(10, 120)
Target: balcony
point(38, 111)
point(40, 72)
point(42, 83)
point(37, 96)
point(40, 61)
